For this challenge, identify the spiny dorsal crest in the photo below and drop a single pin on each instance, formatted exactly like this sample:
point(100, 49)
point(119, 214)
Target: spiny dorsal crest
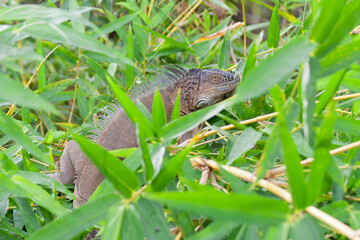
point(173, 76)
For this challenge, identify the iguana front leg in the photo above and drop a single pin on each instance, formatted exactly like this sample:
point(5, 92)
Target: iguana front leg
point(68, 162)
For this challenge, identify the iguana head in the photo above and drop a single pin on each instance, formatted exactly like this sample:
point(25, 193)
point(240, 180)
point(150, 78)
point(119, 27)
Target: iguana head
point(201, 88)
point(213, 86)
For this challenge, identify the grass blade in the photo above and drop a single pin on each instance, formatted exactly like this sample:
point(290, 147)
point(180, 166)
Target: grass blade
point(274, 28)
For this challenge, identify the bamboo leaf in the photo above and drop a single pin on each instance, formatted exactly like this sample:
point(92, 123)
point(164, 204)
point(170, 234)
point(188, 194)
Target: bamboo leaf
point(340, 58)
point(130, 69)
point(274, 28)
point(168, 172)
point(224, 56)
point(330, 90)
point(15, 93)
point(39, 195)
point(158, 112)
point(348, 19)
point(271, 70)
point(294, 169)
point(12, 130)
point(321, 157)
point(214, 204)
point(71, 224)
point(243, 143)
point(146, 158)
point(250, 61)
point(153, 219)
point(327, 14)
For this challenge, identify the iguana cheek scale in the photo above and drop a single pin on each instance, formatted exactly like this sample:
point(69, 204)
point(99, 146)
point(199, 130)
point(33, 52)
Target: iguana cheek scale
point(114, 130)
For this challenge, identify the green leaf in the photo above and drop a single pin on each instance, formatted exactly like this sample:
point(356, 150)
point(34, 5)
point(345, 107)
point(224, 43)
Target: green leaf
point(274, 28)
point(130, 69)
point(308, 95)
point(235, 207)
point(224, 56)
point(12, 130)
point(40, 179)
point(14, 92)
point(153, 219)
point(271, 70)
point(294, 169)
point(216, 230)
point(327, 14)
point(146, 158)
point(41, 72)
point(176, 109)
point(330, 91)
point(340, 58)
point(348, 19)
point(71, 224)
point(321, 157)
point(273, 144)
point(10, 187)
point(131, 110)
point(305, 228)
point(62, 52)
point(55, 88)
point(116, 24)
point(250, 61)
point(181, 125)
point(243, 143)
point(161, 14)
point(131, 224)
point(113, 224)
point(6, 163)
point(168, 172)
point(348, 125)
point(40, 196)
point(110, 166)
point(27, 214)
point(158, 112)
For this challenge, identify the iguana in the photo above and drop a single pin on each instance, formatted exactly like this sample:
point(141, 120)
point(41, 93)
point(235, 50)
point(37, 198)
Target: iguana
point(199, 88)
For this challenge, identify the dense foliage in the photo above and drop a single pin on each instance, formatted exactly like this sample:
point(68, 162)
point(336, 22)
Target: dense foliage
point(62, 62)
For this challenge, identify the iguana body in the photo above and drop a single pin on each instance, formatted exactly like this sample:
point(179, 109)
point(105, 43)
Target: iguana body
point(199, 88)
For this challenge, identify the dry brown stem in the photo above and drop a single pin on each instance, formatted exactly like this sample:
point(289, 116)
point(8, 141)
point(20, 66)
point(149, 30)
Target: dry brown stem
point(338, 226)
point(281, 170)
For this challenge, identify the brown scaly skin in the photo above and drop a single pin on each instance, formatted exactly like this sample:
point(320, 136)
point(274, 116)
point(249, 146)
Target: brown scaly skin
point(199, 88)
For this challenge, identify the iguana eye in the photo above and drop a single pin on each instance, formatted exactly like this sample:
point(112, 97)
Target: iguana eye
point(202, 104)
point(215, 78)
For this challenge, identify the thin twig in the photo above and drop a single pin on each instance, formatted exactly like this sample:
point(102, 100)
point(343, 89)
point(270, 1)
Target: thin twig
point(150, 8)
point(281, 170)
point(244, 21)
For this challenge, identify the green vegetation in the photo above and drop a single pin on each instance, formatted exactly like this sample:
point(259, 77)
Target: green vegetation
point(300, 75)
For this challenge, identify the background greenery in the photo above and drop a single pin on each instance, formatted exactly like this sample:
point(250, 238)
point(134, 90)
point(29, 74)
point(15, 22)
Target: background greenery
point(298, 56)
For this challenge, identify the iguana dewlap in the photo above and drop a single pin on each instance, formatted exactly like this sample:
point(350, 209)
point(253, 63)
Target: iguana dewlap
point(199, 88)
